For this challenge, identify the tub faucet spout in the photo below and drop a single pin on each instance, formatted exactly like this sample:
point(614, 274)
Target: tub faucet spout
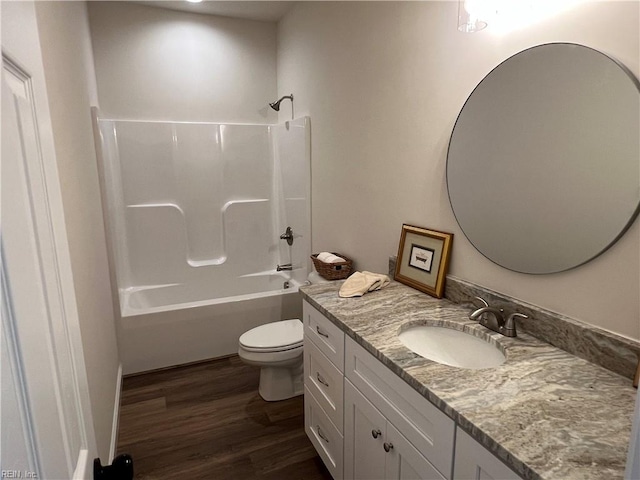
point(286, 266)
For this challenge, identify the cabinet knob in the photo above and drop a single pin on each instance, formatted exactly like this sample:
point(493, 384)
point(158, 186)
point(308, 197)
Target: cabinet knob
point(388, 446)
point(376, 433)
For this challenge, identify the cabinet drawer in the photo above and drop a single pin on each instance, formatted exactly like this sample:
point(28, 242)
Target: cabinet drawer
point(325, 382)
point(324, 436)
point(426, 427)
point(327, 336)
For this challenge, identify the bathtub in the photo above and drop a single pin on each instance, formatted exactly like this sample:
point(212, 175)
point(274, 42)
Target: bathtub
point(155, 333)
point(177, 296)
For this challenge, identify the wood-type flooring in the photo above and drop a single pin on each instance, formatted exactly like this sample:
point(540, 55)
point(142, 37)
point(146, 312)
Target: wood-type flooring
point(206, 421)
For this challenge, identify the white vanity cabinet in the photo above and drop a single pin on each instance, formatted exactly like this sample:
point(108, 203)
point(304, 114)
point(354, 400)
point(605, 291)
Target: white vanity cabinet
point(474, 462)
point(324, 388)
point(367, 423)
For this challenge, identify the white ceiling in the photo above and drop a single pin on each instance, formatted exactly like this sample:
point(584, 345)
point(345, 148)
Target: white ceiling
point(265, 11)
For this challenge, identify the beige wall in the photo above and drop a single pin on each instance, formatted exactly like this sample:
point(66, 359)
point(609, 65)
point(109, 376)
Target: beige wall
point(158, 64)
point(66, 52)
point(383, 83)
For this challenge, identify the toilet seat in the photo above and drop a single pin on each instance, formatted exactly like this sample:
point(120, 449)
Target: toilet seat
point(271, 350)
point(273, 337)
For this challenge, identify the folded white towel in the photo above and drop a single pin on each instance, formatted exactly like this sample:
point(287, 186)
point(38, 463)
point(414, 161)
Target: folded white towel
point(322, 256)
point(334, 259)
point(327, 257)
point(362, 282)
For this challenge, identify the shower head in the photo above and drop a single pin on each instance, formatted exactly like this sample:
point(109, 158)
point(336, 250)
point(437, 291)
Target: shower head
point(276, 105)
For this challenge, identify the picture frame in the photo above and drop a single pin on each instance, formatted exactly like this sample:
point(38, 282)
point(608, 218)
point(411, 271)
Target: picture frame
point(423, 259)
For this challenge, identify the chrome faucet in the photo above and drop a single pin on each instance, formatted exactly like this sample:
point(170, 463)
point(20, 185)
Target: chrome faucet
point(286, 266)
point(496, 320)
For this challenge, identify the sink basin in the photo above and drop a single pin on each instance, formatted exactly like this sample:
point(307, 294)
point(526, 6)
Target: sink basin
point(451, 347)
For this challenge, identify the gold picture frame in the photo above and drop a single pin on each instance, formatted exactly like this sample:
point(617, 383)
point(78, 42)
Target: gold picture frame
point(423, 259)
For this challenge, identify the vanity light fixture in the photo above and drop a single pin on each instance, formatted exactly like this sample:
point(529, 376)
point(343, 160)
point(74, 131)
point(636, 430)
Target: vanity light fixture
point(194, 1)
point(470, 16)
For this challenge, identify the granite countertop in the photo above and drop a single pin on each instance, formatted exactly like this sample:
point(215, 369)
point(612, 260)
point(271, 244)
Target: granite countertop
point(546, 413)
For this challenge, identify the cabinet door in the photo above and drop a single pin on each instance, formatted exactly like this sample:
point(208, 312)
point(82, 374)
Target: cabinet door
point(426, 427)
point(474, 462)
point(364, 432)
point(404, 461)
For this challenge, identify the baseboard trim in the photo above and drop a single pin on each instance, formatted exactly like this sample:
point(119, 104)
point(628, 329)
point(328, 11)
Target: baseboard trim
point(188, 364)
point(116, 416)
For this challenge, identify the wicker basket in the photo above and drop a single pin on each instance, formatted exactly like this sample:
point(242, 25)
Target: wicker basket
point(333, 271)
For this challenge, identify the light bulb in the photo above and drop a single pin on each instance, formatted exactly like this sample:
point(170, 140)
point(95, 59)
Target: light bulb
point(469, 16)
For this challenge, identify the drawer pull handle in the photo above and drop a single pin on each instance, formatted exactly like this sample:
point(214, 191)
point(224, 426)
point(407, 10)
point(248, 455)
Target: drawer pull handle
point(388, 446)
point(376, 433)
point(320, 332)
point(321, 380)
point(321, 435)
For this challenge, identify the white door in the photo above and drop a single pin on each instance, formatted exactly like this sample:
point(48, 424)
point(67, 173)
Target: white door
point(47, 430)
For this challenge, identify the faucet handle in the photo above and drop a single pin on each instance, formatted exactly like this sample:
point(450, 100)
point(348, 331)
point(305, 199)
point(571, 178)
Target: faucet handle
point(483, 301)
point(288, 236)
point(510, 324)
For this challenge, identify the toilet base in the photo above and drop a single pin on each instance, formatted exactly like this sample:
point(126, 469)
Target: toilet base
point(281, 383)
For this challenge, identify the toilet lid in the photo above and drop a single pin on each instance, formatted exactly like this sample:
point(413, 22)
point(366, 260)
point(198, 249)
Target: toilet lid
point(283, 335)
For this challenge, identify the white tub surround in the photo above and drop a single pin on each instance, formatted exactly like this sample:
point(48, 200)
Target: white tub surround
point(195, 214)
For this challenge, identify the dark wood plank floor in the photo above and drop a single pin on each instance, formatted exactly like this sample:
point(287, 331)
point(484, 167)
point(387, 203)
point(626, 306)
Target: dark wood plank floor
point(206, 421)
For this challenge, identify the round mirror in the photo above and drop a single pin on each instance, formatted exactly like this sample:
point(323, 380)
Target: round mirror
point(543, 168)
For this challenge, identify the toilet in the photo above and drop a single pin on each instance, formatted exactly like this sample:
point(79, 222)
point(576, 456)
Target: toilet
point(277, 348)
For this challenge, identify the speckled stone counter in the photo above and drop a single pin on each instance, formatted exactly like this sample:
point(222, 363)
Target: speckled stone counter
point(544, 412)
